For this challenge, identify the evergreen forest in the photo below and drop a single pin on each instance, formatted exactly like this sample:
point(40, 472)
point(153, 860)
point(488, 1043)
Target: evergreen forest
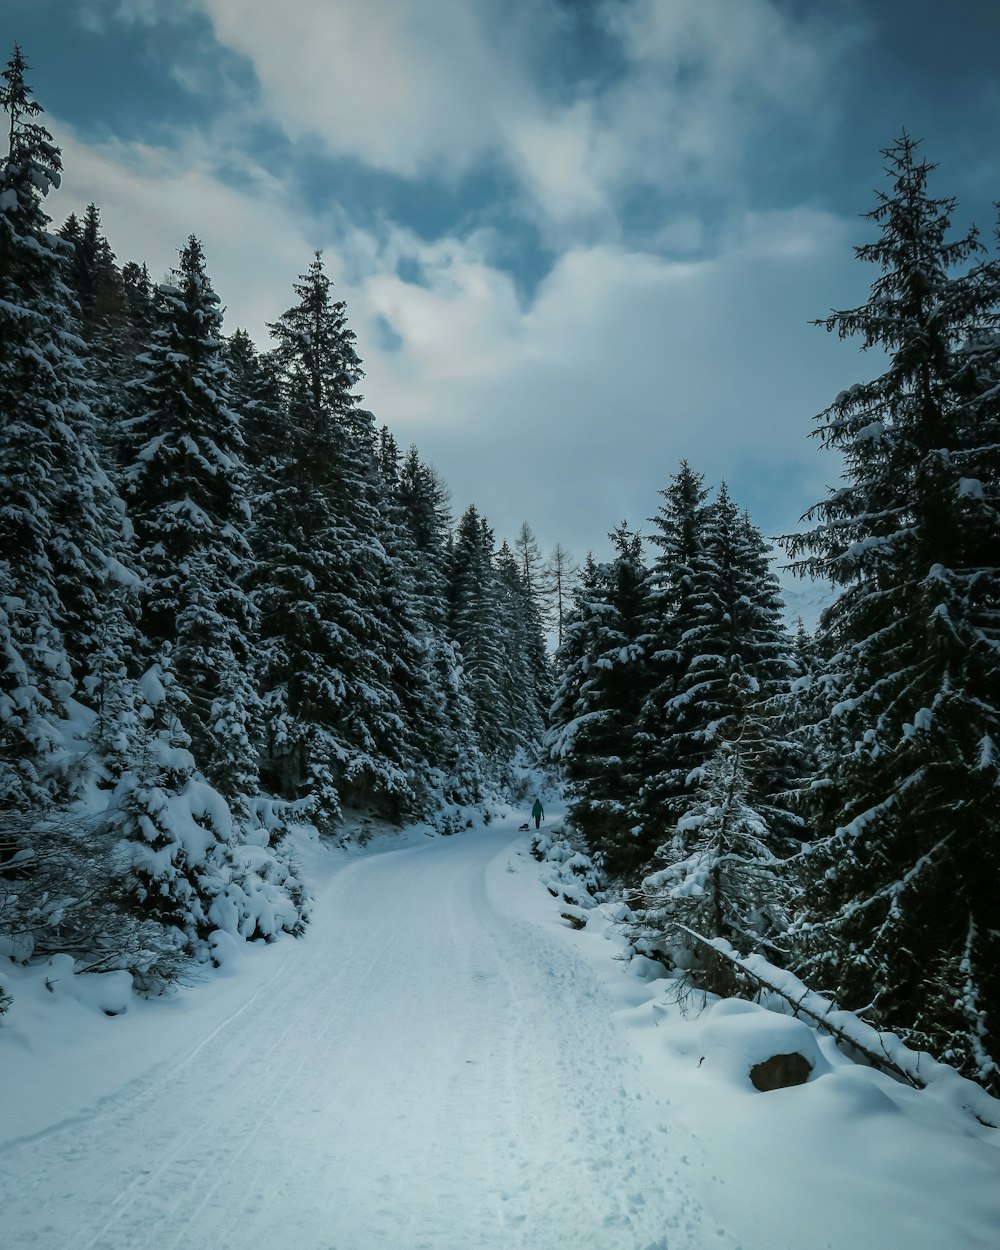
point(231, 603)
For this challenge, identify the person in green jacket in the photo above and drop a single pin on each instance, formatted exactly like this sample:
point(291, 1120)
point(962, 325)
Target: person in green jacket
point(538, 812)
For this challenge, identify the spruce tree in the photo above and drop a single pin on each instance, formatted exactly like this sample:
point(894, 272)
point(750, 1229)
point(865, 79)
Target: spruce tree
point(902, 882)
point(407, 635)
point(333, 726)
point(718, 877)
point(598, 702)
point(476, 625)
point(60, 528)
point(525, 676)
point(93, 275)
point(187, 493)
point(427, 518)
point(668, 729)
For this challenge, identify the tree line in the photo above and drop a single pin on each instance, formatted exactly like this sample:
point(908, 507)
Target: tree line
point(828, 801)
point(228, 599)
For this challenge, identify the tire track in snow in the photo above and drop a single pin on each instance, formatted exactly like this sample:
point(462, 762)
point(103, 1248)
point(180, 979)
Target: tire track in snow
point(425, 1070)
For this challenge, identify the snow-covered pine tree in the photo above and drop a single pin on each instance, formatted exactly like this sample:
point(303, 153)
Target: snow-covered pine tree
point(424, 734)
point(423, 503)
point(667, 733)
point(902, 883)
point(116, 309)
point(599, 698)
point(720, 878)
point(183, 864)
point(741, 675)
point(721, 870)
point(477, 626)
point(187, 493)
point(255, 396)
point(60, 529)
point(722, 654)
point(92, 274)
point(532, 580)
point(333, 727)
point(574, 658)
point(525, 683)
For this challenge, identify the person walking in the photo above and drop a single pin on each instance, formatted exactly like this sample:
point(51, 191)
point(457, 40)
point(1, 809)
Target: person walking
point(538, 812)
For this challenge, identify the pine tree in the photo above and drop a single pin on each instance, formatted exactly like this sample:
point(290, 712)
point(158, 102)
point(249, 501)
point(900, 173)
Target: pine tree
point(720, 878)
point(574, 659)
point(530, 618)
point(333, 716)
point(524, 681)
point(423, 739)
point(424, 507)
point(60, 529)
point(719, 655)
point(93, 275)
point(187, 492)
point(668, 730)
point(902, 882)
point(255, 396)
point(475, 624)
point(720, 870)
point(599, 699)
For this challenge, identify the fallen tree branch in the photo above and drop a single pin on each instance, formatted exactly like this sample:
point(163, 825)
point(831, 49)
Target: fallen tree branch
point(846, 1028)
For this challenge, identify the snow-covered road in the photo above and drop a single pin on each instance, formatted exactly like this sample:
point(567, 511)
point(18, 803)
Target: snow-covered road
point(435, 1066)
point(444, 1064)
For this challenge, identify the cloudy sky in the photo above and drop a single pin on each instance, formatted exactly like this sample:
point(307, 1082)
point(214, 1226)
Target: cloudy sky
point(578, 239)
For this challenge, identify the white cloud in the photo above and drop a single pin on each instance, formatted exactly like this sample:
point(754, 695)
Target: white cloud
point(411, 88)
point(570, 411)
point(439, 88)
point(574, 411)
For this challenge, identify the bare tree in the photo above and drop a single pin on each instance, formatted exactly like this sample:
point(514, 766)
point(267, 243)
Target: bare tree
point(557, 579)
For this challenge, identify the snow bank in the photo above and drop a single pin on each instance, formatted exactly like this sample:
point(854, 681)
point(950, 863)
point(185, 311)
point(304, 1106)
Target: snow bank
point(734, 1036)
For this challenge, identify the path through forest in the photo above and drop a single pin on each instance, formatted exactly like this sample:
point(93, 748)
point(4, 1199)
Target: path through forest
point(435, 1066)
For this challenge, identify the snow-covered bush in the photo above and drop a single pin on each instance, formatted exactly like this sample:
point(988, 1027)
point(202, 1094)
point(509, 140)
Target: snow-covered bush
point(573, 878)
point(61, 891)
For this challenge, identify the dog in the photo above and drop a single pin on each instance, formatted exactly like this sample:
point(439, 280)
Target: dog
point(523, 828)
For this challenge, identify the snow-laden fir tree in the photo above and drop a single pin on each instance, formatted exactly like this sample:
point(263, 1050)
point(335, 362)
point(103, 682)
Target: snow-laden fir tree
point(183, 862)
point(574, 658)
point(425, 733)
point(525, 681)
point(743, 673)
point(477, 625)
point(332, 715)
point(594, 714)
point(255, 396)
point(558, 574)
point(536, 616)
point(665, 726)
point(60, 530)
point(900, 920)
point(720, 878)
point(718, 650)
point(717, 871)
point(93, 276)
point(423, 504)
point(187, 492)
point(117, 320)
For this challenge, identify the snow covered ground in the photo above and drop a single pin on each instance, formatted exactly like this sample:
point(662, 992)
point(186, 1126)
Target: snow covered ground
point(444, 1064)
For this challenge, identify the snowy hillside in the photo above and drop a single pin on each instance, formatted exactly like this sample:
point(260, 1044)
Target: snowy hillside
point(444, 1062)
